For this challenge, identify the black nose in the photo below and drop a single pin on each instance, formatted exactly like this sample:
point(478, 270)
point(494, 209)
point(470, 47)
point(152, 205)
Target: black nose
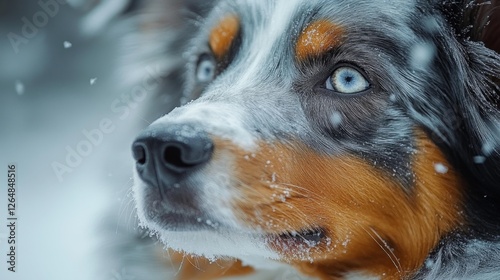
point(166, 153)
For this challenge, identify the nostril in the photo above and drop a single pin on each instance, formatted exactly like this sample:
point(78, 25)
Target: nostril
point(168, 153)
point(173, 156)
point(139, 153)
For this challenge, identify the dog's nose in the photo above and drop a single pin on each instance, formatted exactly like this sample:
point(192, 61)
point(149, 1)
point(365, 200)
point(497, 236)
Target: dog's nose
point(164, 154)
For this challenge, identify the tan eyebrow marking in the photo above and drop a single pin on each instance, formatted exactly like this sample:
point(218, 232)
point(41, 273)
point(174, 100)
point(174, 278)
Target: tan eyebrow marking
point(317, 38)
point(222, 35)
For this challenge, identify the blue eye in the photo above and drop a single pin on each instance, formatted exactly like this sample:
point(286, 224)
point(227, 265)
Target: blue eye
point(347, 80)
point(205, 70)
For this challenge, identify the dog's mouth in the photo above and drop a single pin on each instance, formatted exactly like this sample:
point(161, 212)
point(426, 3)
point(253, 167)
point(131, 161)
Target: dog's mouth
point(181, 222)
point(290, 239)
point(298, 240)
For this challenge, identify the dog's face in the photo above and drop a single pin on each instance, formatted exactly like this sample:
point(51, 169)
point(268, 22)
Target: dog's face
point(307, 140)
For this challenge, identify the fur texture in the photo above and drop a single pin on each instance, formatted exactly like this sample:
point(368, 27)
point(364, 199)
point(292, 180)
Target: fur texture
point(397, 180)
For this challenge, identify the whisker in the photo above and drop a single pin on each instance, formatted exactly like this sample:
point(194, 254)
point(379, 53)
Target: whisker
point(180, 266)
point(169, 258)
point(313, 197)
point(125, 205)
point(308, 193)
point(387, 246)
point(396, 263)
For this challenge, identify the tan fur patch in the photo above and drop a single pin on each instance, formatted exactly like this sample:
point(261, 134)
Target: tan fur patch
point(373, 223)
point(317, 38)
point(199, 268)
point(222, 35)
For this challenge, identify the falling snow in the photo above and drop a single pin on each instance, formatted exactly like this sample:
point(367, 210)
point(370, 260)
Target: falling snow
point(67, 44)
point(92, 81)
point(392, 97)
point(422, 54)
point(479, 159)
point(336, 119)
point(19, 88)
point(487, 148)
point(441, 168)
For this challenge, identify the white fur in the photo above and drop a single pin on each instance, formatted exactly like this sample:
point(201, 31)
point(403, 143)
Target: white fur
point(218, 119)
point(272, 29)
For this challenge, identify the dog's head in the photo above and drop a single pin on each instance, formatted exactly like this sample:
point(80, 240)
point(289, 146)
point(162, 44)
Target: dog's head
point(334, 135)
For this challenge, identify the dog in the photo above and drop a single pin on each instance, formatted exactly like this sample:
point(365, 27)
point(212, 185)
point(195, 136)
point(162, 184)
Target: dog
point(346, 139)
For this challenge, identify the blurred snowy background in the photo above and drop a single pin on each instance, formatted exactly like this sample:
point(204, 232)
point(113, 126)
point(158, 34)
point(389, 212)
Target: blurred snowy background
point(68, 120)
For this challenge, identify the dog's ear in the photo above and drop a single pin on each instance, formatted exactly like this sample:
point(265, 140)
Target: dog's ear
point(475, 25)
point(490, 33)
point(475, 20)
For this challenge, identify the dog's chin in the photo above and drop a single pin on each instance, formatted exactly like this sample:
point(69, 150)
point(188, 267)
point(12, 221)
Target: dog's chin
point(182, 222)
point(192, 230)
point(160, 214)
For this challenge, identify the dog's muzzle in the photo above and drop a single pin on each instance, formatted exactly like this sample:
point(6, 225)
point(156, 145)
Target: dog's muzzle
point(166, 154)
